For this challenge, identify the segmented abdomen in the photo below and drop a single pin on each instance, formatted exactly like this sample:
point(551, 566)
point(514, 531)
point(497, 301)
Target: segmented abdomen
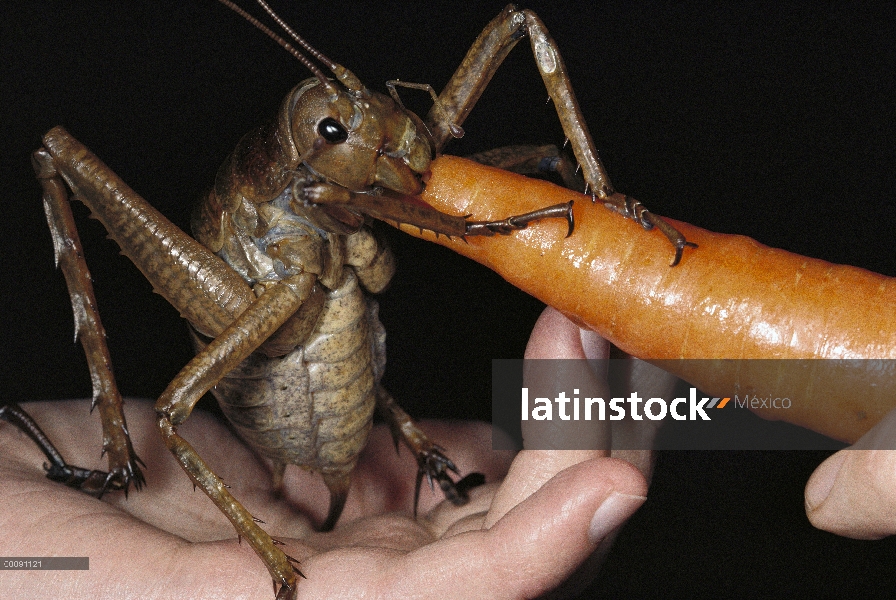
point(314, 406)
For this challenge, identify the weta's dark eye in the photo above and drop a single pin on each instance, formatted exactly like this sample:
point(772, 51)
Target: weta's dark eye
point(332, 131)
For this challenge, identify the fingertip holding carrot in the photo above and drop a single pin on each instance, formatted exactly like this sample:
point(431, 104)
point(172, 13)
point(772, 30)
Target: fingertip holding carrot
point(731, 298)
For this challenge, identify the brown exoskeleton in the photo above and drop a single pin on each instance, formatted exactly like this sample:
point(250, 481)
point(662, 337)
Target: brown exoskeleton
point(285, 337)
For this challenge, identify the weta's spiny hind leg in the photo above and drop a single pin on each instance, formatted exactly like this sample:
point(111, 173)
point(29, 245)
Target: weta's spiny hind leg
point(123, 461)
point(198, 284)
point(168, 257)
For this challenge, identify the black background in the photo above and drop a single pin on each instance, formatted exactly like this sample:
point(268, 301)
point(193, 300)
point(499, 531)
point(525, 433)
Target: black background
point(774, 122)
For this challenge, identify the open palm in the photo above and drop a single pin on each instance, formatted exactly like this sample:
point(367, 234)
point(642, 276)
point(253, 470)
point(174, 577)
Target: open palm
point(168, 541)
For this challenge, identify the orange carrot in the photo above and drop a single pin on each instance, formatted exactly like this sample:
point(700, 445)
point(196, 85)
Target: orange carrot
point(730, 298)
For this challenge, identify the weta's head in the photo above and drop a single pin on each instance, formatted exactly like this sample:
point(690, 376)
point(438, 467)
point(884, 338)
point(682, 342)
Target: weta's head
point(360, 139)
point(351, 136)
point(370, 145)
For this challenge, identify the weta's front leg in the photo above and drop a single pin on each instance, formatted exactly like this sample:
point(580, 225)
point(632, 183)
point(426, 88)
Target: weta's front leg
point(398, 209)
point(250, 329)
point(483, 59)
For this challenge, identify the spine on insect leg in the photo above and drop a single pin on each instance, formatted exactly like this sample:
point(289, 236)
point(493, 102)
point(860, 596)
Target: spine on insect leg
point(205, 290)
point(69, 255)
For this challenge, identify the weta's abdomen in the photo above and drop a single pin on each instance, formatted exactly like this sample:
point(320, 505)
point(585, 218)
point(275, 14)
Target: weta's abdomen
point(314, 406)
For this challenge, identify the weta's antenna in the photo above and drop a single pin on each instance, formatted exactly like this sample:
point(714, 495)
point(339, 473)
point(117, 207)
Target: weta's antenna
point(267, 31)
point(295, 36)
point(344, 75)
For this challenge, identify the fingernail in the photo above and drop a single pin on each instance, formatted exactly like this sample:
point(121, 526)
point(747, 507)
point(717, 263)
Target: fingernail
point(612, 513)
point(822, 481)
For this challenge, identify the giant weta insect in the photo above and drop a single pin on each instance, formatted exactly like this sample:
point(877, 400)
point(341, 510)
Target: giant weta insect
point(285, 338)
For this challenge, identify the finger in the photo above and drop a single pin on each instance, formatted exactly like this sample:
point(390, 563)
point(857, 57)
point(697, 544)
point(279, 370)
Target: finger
point(535, 546)
point(554, 336)
point(530, 470)
point(633, 441)
point(853, 493)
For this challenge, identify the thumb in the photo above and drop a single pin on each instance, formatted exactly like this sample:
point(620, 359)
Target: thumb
point(853, 493)
point(559, 526)
point(538, 544)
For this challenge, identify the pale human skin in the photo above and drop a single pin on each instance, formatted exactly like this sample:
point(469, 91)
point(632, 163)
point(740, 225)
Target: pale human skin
point(852, 493)
point(539, 524)
point(526, 533)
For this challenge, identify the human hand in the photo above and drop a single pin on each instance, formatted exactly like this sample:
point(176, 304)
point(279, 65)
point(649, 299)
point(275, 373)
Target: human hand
point(556, 337)
point(519, 538)
point(853, 492)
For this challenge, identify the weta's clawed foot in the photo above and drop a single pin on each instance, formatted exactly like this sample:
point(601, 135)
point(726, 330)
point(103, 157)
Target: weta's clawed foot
point(675, 237)
point(434, 466)
point(432, 462)
point(680, 245)
point(95, 483)
point(518, 222)
point(634, 210)
point(287, 591)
